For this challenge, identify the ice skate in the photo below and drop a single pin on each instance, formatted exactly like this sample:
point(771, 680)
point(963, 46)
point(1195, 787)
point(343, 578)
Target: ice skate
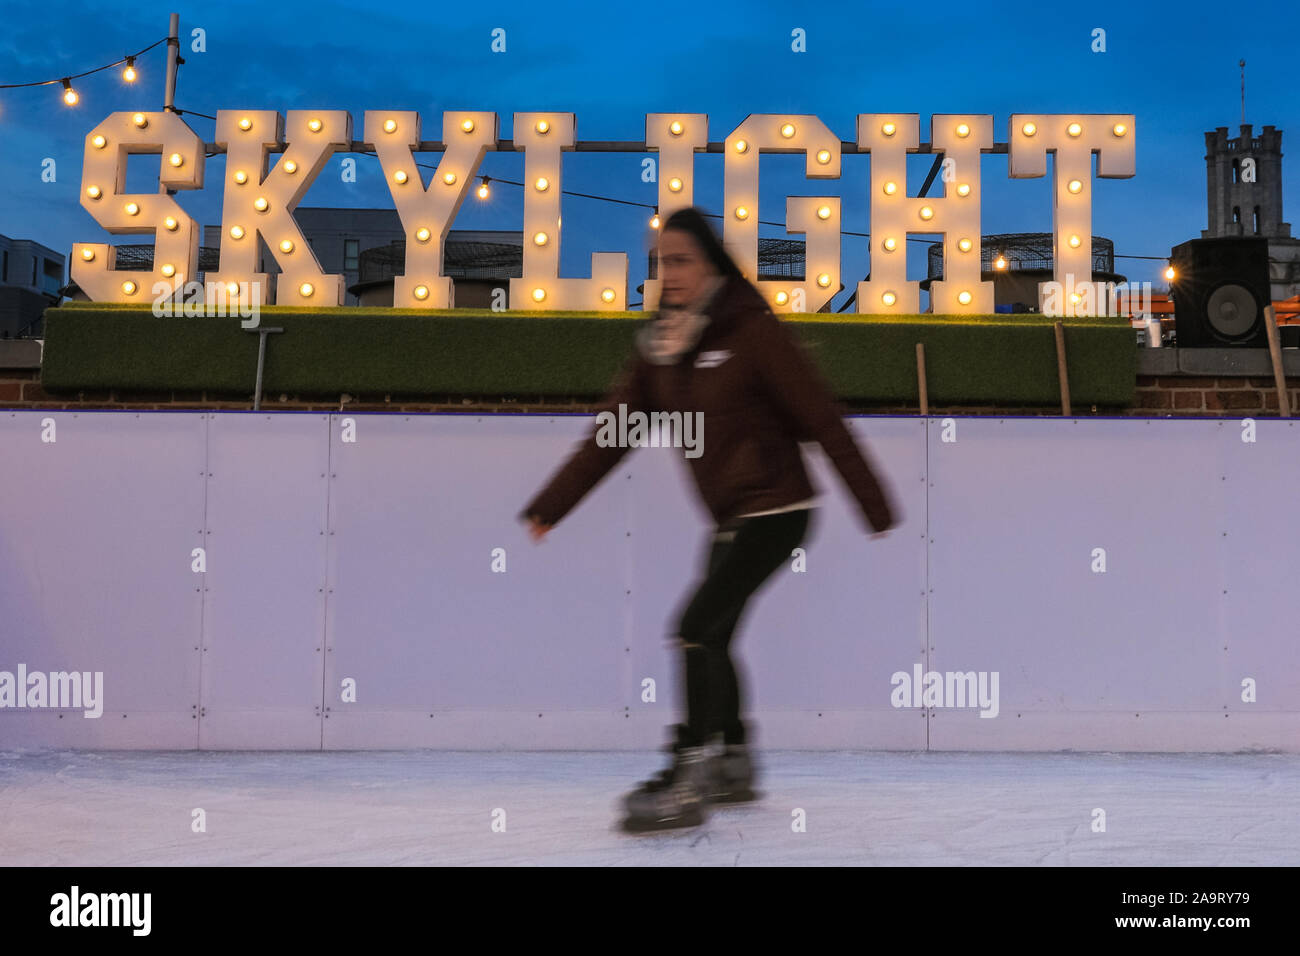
point(734, 776)
point(677, 796)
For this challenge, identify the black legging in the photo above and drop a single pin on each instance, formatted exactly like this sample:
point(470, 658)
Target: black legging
point(744, 553)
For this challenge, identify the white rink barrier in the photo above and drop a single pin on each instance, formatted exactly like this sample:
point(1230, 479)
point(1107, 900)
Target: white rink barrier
point(253, 580)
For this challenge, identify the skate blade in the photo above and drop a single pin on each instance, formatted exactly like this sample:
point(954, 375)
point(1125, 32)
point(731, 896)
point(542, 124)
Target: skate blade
point(644, 825)
point(737, 796)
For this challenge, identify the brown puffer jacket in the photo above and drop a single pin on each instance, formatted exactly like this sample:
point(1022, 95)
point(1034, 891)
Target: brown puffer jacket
point(760, 396)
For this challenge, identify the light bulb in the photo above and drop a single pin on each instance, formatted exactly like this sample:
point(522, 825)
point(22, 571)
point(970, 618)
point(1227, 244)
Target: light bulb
point(964, 245)
point(421, 292)
point(260, 204)
point(99, 142)
point(542, 184)
point(1119, 129)
point(399, 177)
point(607, 295)
point(236, 232)
point(889, 129)
point(889, 298)
point(1074, 129)
point(129, 73)
point(132, 209)
point(823, 156)
point(542, 127)
point(1075, 241)
point(741, 212)
point(963, 130)
point(1029, 129)
point(176, 159)
point(539, 295)
point(891, 188)
point(390, 126)
point(467, 126)
point(69, 94)
point(422, 234)
point(963, 298)
point(449, 178)
point(1000, 263)
point(540, 239)
point(241, 177)
point(483, 191)
point(823, 280)
point(823, 212)
point(128, 287)
point(306, 289)
point(675, 128)
point(787, 130)
point(88, 254)
point(782, 298)
point(315, 126)
point(654, 221)
point(286, 245)
point(170, 223)
point(93, 192)
point(169, 270)
point(140, 120)
point(1074, 186)
point(926, 212)
point(245, 124)
point(1169, 273)
point(675, 185)
point(290, 166)
point(890, 244)
point(741, 146)
point(963, 189)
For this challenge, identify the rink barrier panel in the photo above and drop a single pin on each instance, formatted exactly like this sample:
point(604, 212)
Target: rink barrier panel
point(371, 561)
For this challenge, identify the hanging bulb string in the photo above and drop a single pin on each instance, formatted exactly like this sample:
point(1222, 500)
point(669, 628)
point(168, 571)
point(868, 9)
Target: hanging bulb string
point(77, 76)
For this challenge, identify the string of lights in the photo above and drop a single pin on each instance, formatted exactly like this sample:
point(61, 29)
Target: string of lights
point(70, 96)
point(130, 74)
point(654, 219)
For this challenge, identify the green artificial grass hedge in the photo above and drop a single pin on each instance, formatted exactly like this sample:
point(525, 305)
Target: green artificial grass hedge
point(996, 359)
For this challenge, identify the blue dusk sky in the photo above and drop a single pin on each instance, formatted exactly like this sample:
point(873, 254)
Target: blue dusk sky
point(1172, 65)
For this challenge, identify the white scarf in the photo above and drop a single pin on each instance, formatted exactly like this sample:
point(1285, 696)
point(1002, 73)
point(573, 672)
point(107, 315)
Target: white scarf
point(677, 328)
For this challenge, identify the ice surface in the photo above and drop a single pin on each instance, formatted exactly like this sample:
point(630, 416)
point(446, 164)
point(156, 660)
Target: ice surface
point(113, 808)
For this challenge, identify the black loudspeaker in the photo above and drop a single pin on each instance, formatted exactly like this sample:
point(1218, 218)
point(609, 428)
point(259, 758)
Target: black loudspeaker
point(1220, 289)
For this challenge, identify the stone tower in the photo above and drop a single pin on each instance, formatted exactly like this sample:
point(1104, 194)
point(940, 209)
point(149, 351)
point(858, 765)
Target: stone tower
point(1244, 193)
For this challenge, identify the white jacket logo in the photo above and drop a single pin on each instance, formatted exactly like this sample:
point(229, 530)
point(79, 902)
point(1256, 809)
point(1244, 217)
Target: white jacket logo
point(712, 359)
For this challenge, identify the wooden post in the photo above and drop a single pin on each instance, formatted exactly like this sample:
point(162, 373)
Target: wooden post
point(1275, 352)
point(1061, 375)
point(920, 378)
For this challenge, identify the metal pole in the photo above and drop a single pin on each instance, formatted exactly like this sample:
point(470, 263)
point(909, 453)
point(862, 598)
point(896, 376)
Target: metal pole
point(1242, 64)
point(173, 53)
point(261, 360)
point(262, 330)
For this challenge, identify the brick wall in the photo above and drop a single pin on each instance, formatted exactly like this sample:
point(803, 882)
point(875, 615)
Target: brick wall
point(1201, 395)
